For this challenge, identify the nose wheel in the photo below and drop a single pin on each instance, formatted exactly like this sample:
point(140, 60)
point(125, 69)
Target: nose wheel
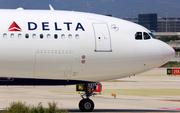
point(86, 105)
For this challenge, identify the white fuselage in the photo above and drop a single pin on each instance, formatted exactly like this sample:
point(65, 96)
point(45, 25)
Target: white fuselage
point(88, 47)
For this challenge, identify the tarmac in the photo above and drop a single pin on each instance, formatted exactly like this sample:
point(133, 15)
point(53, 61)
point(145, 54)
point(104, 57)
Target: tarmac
point(103, 102)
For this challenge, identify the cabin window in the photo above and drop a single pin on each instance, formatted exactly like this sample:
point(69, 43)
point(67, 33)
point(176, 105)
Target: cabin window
point(77, 36)
point(55, 36)
point(34, 36)
point(41, 36)
point(12, 35)
point(5, 35)
point(146, 36)
point(138, 36)
point(19, 35)
point(70, 36)
point(63, 36)
point(48, 36)
point(27, 35)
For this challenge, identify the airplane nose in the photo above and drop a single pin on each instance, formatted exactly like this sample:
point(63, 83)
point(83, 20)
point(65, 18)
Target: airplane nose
point(168, 53)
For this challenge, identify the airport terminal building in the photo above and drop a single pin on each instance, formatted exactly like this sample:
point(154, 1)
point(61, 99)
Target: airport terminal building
point(156, 24)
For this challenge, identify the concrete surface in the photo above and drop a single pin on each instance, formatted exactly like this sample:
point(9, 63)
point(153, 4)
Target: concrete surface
point(103, 102)
point(176, 58)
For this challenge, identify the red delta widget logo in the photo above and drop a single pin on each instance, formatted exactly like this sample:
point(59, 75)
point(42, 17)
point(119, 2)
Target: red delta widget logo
point(14, 27)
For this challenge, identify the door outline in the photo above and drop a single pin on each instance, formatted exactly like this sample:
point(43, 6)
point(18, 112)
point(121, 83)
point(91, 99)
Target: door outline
point(95, 36)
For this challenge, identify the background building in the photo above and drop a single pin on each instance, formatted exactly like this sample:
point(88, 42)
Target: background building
point(173, 25)
point(149, 21)
point(155, 24)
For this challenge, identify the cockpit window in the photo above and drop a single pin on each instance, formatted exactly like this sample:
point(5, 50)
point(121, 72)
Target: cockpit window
point(146, 36)
point(138, 36)
point(152, 36)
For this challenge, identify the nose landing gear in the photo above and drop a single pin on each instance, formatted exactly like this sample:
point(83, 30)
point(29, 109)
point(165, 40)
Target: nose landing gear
point(86, 104)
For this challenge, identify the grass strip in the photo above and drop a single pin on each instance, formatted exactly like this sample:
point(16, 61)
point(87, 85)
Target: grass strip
point(154, 75)
point(65, 91)
point(141, 92)
point(144, 75)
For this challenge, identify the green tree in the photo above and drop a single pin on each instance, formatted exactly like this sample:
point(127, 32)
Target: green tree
point(174, 38)
point(164, 38)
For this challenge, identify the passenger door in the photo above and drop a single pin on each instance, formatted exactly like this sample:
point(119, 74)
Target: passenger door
point(102, 37)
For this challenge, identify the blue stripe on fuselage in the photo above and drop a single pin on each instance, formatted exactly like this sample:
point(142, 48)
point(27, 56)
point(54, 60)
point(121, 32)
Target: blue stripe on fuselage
point(31, 81)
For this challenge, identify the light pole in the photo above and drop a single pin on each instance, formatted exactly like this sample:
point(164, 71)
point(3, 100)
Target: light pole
point(166, 19)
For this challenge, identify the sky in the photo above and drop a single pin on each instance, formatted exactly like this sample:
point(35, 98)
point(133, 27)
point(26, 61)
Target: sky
point(117, 8)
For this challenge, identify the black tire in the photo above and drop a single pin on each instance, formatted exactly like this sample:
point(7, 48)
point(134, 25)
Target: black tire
point(86, 105)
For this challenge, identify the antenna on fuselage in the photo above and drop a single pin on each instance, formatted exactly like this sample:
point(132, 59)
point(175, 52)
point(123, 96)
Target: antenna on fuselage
point(51, 8)
point(20, 8)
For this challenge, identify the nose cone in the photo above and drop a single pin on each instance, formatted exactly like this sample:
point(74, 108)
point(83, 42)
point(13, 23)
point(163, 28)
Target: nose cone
point(169, 52)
